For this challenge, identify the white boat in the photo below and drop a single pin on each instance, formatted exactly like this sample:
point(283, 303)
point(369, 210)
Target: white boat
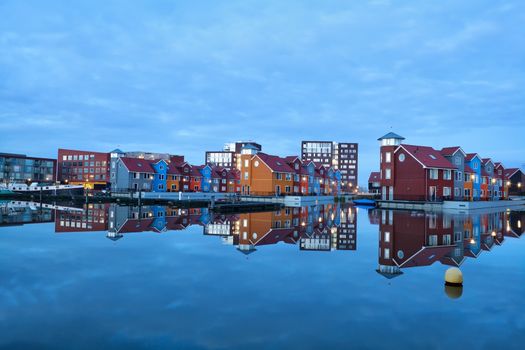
point(35, 187)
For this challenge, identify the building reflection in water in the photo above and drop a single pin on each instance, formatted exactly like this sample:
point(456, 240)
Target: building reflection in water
point(406, 238)
point(14, 213)
point(321, 227)
point(417, 238)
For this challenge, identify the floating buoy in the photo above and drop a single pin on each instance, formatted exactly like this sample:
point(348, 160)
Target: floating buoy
point(454, 277)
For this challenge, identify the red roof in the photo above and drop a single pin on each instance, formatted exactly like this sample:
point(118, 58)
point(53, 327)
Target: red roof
point(374, 176)
point(137, 165)
point(484, 173)
point(469, 170)
point(173, 169)
point(195, 172)
point(291, 159)
point(486, 160)
point(275, 163)
point(470, 156)
point(511, 171)
point(429, 157)
point(449, 151)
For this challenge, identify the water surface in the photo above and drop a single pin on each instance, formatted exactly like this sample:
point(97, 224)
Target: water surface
point(305, 278)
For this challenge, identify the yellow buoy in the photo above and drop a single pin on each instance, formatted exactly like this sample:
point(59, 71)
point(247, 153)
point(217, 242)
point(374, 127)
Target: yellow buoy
point(453, 277)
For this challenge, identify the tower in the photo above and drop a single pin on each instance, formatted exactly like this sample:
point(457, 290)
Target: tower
point(389, 144)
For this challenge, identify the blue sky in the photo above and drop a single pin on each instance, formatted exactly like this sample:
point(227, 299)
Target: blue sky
point(187, 76)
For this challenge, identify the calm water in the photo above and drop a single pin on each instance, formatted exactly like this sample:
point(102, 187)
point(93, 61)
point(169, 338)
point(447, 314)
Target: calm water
point(302, 278)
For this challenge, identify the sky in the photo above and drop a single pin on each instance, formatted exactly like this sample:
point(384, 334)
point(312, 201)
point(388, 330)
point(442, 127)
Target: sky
point(184, 77)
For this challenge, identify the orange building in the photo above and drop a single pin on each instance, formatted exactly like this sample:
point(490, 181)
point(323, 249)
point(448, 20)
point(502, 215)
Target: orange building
point(264, 174)
point(468, 188)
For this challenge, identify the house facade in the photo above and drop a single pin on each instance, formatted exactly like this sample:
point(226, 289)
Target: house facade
point(515, 178)
point(413, 173)
point(374, 182)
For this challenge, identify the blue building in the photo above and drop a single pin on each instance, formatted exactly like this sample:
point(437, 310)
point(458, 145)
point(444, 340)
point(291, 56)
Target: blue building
point(160, 177)
point(473, 160)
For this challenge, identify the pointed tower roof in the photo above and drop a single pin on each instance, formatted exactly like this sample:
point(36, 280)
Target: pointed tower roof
point(391, 135)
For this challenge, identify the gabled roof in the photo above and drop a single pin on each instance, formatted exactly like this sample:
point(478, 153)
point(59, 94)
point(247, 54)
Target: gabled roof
point(511, 171)
point(174, 170)
point(195, 172)
point(137, 165)
point(374, 176)
point(291, 159)
point(450, 151)
point(275, 163)
point(471, 156)
point(498, 165)
point(391, 135)
point(427, 156)
point(485, 161)
point(469, 170)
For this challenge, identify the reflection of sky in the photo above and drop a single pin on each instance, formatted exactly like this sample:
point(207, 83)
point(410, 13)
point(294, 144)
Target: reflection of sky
point(182, 289)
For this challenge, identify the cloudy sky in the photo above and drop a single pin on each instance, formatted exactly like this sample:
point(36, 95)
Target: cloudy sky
point(187, 76)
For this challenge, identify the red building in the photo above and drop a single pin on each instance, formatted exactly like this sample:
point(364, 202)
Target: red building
point(94, 218)
point(374, 182)
point(87, 168)
point(414, 173)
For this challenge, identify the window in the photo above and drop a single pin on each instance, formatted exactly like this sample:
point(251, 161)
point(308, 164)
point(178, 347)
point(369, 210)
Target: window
point(457, 161)
point(459, 176)
point(386, 254)
point(446, 191)
point(246, 175)
point(433, 174)
point(288, 176)
point(447, 174)
point(246, 163)
point(287, 189)
point(388, 157)
point(402, 157)
point(387, 236)
point(432, 240)
point(456, 192)
point(278, 176)
point(387, 174)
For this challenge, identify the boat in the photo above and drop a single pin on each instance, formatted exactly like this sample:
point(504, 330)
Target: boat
point(44, 188)
point(364, 202)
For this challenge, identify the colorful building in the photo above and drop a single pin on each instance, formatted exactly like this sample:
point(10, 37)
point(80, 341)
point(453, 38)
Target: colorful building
point(264, 174)
point(515, 178)
point(473, 160)
point(87, 168)
point(374, 182)
point(413, 173)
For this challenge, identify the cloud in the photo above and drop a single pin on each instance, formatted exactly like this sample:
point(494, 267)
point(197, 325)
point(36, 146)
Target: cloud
point(103, 74)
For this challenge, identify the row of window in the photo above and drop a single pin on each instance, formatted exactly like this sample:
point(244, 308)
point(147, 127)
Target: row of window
point(90, 163)
point(78, 157)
